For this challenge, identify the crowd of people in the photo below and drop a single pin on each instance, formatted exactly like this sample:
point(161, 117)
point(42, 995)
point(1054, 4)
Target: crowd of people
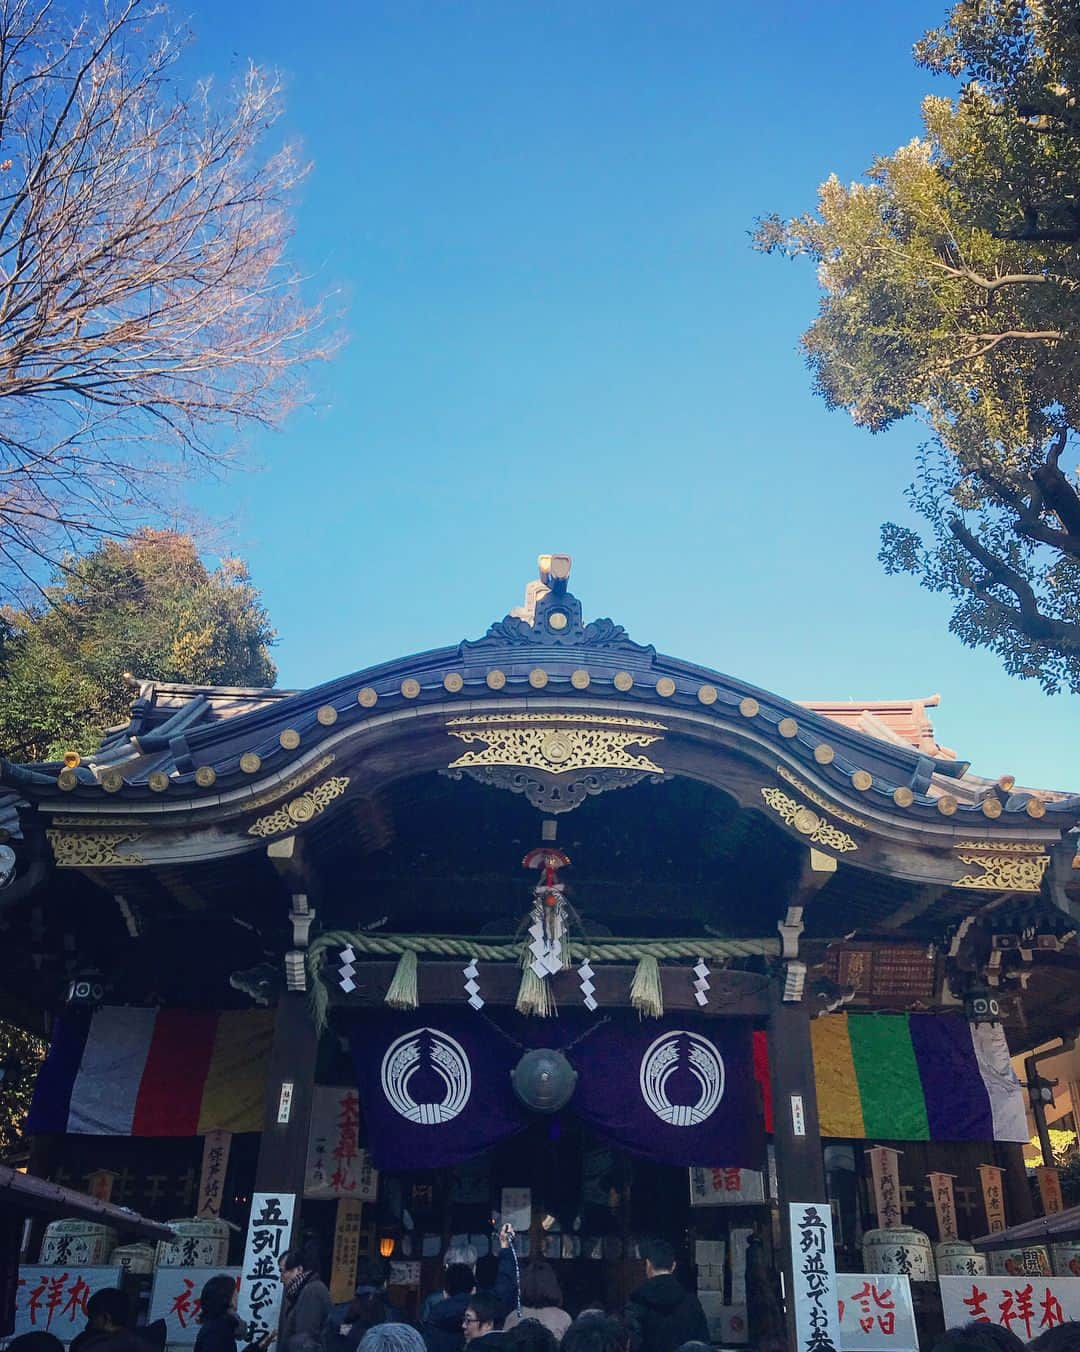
point(661, 1315)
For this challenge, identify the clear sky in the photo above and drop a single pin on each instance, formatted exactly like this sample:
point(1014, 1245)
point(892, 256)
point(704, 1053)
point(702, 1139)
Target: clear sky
point(558, 339)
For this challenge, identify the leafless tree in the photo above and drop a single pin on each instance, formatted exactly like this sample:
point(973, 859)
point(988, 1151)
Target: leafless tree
point(147, 309)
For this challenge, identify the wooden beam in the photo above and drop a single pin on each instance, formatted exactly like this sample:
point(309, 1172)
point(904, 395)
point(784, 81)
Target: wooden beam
point(732, 994)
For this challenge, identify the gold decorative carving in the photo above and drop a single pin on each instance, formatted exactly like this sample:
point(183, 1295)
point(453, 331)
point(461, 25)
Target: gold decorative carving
point(902, 796)
point(367, 698)
point(557, 743)
point(74, 850)
point(824, 754)
point(708, 694)
point(289, 739)
point(862, 780)
point(1004, 872)
point(822, 801)
point(495, 679)
point(947, 805)
point(819, 829)
point(749, 707)
point(538, 678)
point(665, 687)
point(623, 681)
point(294, 782)
point(453, 681)
point(158, 781)
point(327, 715)
point(302, 809)
point(251, 763)
point(410, 687)
point(67, 779)
point(580, 679)
point(787, 727)
point(205, 776)
point(992, 807)
point(1036, 807)
point(1001, 846)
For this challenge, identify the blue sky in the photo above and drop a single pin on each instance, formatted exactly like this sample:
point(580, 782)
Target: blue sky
point(558, 339)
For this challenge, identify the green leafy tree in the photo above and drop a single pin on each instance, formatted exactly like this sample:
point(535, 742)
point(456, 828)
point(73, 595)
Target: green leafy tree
point(21, 1054)
point(950, 279)
point(149, 607)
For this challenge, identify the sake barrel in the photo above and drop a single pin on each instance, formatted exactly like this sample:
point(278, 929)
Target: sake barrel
point(899, 1249)
point(138, 1259)
point(78, 1243)
point(1030, 1261)
point(1066, 1258)
point(958, 1258)
point(199, 1243)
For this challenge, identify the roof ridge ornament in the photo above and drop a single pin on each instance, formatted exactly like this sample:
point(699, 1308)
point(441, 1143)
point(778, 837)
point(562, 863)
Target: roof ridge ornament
point(551, 615)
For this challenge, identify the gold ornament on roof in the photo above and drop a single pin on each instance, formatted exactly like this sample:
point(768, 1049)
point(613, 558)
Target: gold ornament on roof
point(97, 850)
point(327, 715)
point(749, 707)
point(453, 681)
point(807, 822)
point(289, 739)
point(367, 698)
point(300, 810)
point(665, 687)
point(834, 808)
point(579, 679)
point(708, 694)
point(557, 743)
point(1004, 872)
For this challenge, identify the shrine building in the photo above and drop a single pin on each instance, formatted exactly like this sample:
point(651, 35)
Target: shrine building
point(543, 926)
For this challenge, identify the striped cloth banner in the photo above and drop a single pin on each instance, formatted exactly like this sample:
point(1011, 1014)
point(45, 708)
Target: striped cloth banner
point(154, 1072)
point(916, 1077)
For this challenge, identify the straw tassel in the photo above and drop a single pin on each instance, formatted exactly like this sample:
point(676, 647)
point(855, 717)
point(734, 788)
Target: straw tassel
point(401, 993)
point(647, 994)
point(534, 995)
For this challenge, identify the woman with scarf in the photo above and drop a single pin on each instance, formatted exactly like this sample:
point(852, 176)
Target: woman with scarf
point(307, 1305)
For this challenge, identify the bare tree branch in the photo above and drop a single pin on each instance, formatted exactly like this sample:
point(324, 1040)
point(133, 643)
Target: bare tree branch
point(147, 308)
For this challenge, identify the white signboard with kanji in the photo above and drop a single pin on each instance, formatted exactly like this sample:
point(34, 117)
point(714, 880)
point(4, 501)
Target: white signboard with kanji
point(1026, 1305)
point(176, 1297)
point(725, 1187)
point(336, 1166)
point(53, 1299)
point(876, 1313)
point(269, 1228)
point(813, 1263)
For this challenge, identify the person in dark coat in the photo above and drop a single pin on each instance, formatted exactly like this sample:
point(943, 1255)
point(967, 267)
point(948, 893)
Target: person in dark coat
point(661, 1314)
point(443, 1328)
point(369, 1306)
point(219, 1327)
point(107, 1314)
point(307, 1308)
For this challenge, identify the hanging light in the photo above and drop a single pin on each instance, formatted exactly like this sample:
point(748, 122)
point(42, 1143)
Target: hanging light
point(386, 1246)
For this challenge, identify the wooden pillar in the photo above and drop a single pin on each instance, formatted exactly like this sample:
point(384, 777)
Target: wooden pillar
point(283, 1147)
point(800, 1164)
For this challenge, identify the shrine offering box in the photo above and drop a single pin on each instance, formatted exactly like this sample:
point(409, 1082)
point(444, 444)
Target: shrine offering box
point(77, 1244)
point(198, 1243)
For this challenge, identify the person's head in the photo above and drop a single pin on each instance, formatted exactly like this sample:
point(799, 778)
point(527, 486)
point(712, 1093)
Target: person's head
point(539, 1285)
point(977, 1337)
point(391, 1338)
point(659, 1256)
point(108, 1310)
point(1062, 1338)
point(531, 1336)
point(594, 1331)
point(480, 1316)
point(218, 1297)
point(296, 1263)
point(37, 1341)
point(458, 1279)
point(460, 1254)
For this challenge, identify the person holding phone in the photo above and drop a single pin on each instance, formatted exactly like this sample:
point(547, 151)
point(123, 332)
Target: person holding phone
point(443, 1329)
